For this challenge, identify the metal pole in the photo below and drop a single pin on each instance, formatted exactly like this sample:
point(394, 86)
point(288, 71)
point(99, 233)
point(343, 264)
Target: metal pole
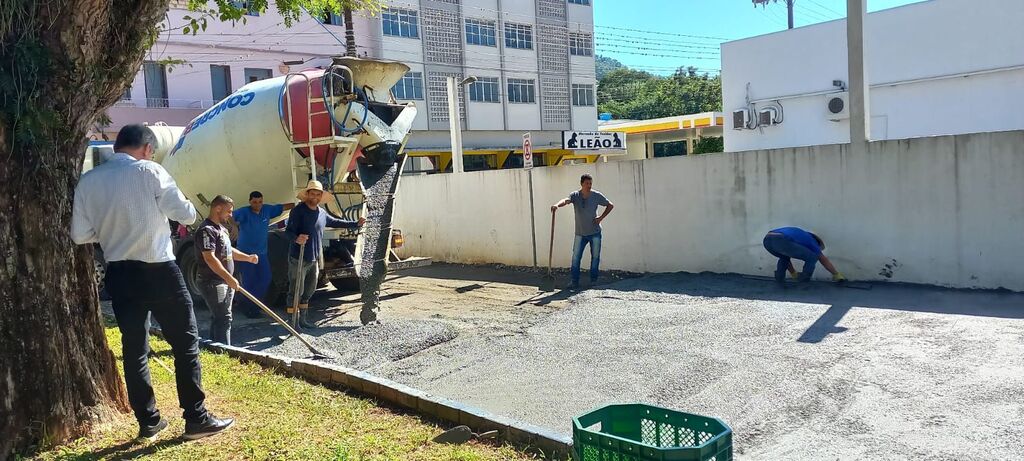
point(455, 124)
point(533, 220)
point(789, 7)
point(860, 118)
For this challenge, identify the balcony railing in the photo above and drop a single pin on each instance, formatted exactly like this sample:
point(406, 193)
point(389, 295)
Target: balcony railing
point(165, 103)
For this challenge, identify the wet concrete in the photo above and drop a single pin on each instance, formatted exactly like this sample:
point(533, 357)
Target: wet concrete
point(896, 372)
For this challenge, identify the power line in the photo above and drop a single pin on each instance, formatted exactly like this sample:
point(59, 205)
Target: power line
point(654, 32)
point(841, 15)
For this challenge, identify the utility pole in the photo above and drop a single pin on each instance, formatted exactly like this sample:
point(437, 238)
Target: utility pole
point(350, 33)
point(789, 6)
point(860, 113)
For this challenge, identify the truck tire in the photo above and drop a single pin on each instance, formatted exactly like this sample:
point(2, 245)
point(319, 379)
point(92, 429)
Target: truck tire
point(346, 285)
point(188, 262)
point(100, 270)
point(277, 252)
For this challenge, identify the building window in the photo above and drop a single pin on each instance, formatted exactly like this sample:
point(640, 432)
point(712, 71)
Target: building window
point(518, 36)
point(401, 23)
point(220, 81)
point(127, 96)
point(254, 75)
point(581, 44)
point(485, 89)
point(332, 19)
point(409, 87)
point(245, 5)
point(156, 84)
point(521, 91)
point(480, 32)
point(582, 95)
point(580, 2)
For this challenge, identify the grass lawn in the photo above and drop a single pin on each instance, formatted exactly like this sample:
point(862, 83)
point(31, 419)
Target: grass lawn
point(276, 418)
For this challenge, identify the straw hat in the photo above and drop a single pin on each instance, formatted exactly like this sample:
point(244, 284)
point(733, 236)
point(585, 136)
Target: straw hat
point(311, 185)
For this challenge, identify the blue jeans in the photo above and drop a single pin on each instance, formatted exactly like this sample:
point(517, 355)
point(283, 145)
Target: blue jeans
point(255, 279)
point(577, 255)
point(218, 298)
point(787, 250)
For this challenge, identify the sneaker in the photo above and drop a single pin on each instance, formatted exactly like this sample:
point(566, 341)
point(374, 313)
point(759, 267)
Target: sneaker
point(573, 287)
point(212, 426)
point(149, 433)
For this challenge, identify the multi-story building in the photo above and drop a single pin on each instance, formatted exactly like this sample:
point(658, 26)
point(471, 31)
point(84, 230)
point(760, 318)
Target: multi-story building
point(933, 68)
point(533, 61)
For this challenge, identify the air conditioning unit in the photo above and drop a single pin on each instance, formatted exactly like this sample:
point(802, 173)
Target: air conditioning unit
point(837, 106)
point(768, 116)
point(740, 119)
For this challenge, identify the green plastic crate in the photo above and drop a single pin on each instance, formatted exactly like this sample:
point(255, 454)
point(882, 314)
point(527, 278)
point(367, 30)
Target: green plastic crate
point(638, 432)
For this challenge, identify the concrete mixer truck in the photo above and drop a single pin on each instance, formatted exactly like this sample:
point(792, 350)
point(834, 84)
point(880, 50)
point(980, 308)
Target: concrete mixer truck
point(339, 125)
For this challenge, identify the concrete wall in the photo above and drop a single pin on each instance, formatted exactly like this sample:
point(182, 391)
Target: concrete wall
point(922, 60)
point(940, 210)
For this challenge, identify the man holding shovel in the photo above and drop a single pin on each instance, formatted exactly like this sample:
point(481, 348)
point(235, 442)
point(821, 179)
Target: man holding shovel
point(216, 284)
point(306, 223)
point(588, 227)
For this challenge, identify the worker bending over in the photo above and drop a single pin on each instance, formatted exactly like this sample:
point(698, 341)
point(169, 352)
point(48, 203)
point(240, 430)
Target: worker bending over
point(788, 243)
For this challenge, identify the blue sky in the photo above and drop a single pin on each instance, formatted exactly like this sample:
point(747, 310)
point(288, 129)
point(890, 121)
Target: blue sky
point(661, 35)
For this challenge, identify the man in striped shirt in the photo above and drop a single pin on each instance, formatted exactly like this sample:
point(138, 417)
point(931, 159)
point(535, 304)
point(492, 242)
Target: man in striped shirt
point(124, 205)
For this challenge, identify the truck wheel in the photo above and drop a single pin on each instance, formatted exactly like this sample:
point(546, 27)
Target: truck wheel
point(100, 270)
point(277, 251)
point(346, 285)
point(189, 265)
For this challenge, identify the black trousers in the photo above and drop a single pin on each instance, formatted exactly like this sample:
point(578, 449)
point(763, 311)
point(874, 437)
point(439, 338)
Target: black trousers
point(138, 289)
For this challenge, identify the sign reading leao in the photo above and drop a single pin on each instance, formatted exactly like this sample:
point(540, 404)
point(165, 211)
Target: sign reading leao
point(593, 140)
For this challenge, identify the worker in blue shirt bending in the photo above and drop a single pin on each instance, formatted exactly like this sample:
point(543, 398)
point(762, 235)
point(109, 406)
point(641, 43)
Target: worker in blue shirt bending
point(788, 243)
point(253, 223)
point(306, 224)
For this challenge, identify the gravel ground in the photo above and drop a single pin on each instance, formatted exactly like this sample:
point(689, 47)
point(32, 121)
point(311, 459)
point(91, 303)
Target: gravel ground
point(896, 372)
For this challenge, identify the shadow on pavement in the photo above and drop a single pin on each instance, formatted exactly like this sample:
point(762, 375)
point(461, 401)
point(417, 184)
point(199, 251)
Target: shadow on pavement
point(900, 297)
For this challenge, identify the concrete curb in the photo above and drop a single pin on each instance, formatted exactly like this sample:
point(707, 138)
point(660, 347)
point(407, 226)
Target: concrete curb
point(527, 437)
point(533, 439)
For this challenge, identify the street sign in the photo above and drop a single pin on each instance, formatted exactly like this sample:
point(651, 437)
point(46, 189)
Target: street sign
point(527, 152)
point(593, 140)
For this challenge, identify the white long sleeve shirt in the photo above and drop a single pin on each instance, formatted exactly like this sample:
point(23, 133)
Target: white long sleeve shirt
point(124, 205)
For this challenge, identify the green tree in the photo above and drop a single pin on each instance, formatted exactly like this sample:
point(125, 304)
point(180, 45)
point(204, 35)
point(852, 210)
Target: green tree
point(62, 63)
point(708, 145)
point(632, 94)
point(604, 65)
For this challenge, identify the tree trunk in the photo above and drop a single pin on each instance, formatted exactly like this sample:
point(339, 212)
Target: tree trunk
point(62, 62)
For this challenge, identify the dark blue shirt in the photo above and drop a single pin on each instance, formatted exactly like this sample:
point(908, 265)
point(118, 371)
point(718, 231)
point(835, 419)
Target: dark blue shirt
point(801, 237)
point(303, 220)
point(252, 227)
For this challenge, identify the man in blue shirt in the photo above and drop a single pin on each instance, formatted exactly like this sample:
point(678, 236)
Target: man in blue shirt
point(787, 243)
point(253, 223)
point(306, 224)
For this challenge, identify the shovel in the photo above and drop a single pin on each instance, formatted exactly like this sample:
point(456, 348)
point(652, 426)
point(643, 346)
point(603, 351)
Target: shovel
point(278, 319)
point(299, 276)
point(548, 282)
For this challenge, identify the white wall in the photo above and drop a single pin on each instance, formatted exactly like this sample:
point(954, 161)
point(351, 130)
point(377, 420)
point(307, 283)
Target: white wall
point(918, 41)
point(947, 210)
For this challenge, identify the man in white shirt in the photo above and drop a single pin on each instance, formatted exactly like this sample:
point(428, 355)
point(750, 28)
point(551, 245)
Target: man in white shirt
point(124, 205)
